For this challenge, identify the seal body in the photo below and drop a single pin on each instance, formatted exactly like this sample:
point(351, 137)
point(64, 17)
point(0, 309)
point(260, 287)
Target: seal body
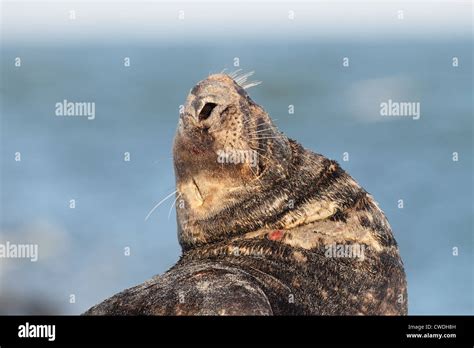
point(266, 226)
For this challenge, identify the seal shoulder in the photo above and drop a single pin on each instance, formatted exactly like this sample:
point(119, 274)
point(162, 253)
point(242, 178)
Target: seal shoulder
point(208, 288)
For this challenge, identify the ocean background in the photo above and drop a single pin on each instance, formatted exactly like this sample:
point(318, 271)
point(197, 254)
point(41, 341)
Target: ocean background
point(81, 250)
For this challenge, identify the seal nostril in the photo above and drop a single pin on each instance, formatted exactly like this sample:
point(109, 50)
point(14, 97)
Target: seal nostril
point(206, 111)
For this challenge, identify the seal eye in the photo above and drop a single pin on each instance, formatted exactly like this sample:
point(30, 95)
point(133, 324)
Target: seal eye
point(206, 111)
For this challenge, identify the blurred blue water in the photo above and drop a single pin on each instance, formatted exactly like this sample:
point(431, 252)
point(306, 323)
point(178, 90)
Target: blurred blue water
point(336, 111)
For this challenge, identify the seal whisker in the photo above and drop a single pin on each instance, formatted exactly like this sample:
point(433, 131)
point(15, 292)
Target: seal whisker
point(234, 74)
point(271, 125)
point(279, 135)
point(263, 138)
point(247, 121)
point(257, 148)
point(242, 79)
point(251, 84)
point(172, 205)
point(257, 176)
point(159, 203)
point(266, 157)
point(261, 131)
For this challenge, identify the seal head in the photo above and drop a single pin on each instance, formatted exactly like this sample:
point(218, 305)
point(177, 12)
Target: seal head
point(221, 125)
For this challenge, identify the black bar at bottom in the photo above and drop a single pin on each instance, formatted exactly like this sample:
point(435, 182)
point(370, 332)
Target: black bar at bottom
point(414, 330)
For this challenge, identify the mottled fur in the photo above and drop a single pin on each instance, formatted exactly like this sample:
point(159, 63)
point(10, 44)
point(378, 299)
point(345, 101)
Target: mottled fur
point(255, 239)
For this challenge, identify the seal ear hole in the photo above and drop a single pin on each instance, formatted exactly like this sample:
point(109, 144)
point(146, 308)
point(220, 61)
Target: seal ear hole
point(206, 111)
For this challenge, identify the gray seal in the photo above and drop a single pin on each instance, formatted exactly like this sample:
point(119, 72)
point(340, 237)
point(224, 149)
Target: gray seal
point(266, 226)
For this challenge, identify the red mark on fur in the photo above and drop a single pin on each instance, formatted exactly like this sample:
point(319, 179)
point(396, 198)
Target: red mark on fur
point(275, 235)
